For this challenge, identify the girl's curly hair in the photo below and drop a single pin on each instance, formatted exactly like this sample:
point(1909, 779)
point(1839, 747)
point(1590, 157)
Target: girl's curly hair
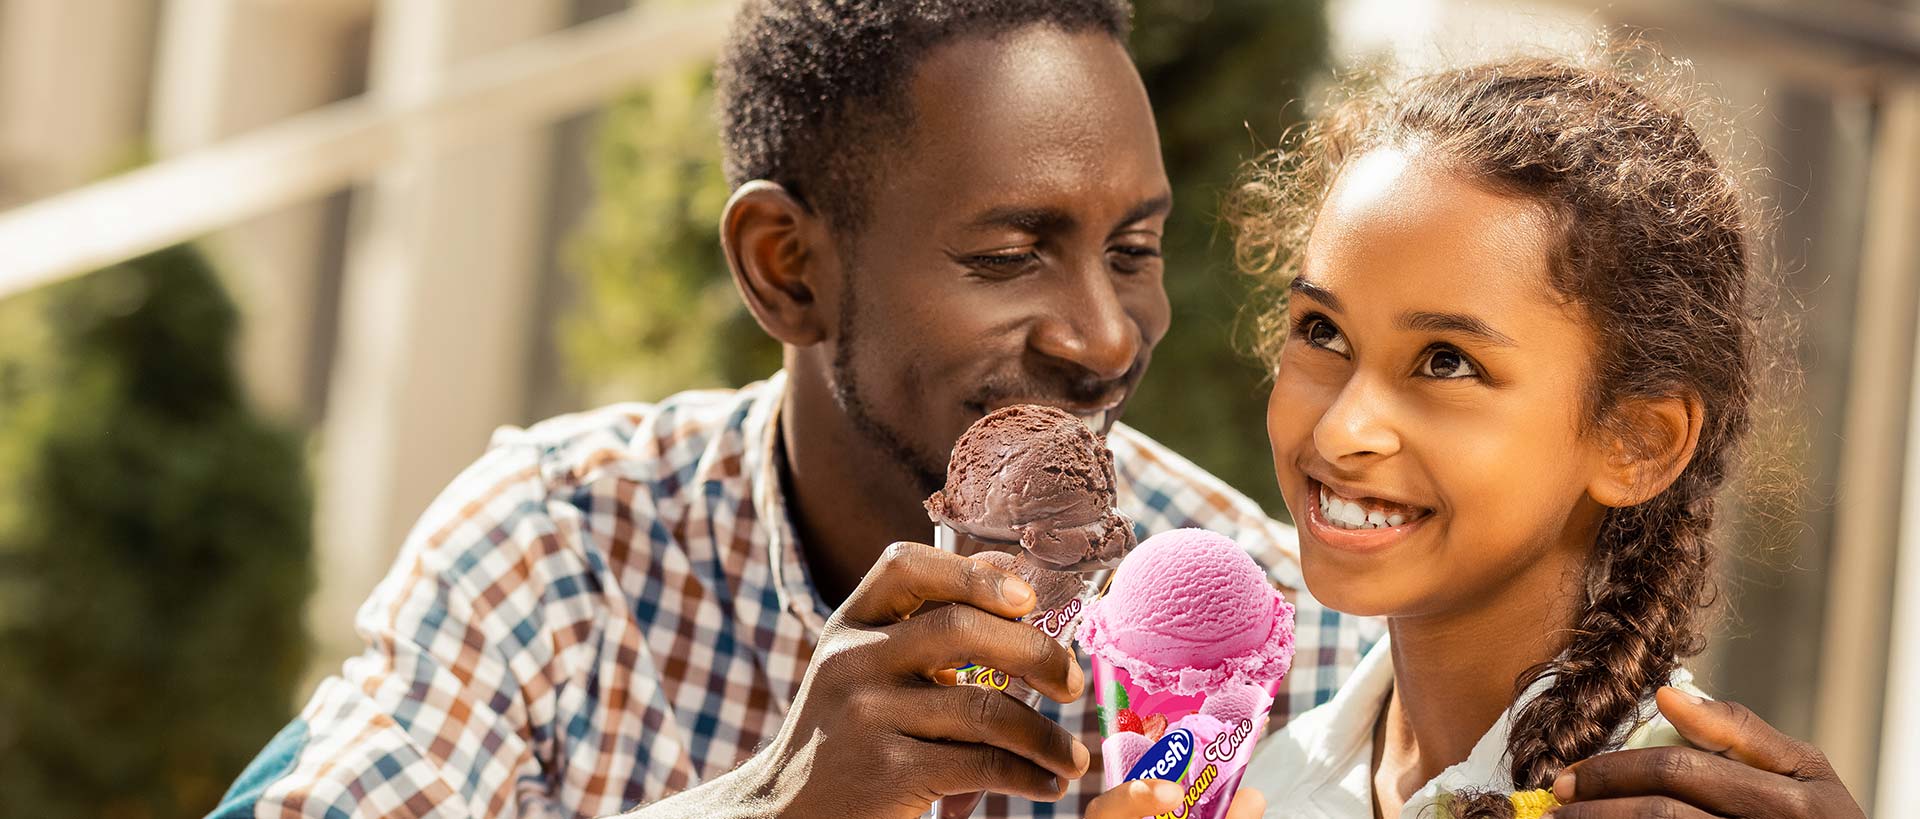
point(1655, 241)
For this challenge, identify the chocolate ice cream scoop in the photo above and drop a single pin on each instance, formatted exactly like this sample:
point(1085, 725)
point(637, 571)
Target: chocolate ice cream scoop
point(1038, 477)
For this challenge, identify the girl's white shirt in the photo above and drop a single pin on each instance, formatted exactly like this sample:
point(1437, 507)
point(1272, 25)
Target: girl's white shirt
point(1321, 765)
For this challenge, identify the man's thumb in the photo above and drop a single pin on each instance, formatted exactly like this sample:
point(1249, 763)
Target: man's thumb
point(1730, 730)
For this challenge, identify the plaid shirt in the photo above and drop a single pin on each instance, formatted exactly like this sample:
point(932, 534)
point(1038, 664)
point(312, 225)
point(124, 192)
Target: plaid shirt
point(611, 607)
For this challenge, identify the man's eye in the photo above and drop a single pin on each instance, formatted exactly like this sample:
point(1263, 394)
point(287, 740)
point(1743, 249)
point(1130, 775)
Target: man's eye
point(1318, 332)
point(1003, 264)
point(1134, 259)
point(1444, 362)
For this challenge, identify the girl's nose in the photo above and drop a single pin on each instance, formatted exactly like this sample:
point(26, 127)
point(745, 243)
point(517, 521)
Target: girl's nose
point(1357, 425)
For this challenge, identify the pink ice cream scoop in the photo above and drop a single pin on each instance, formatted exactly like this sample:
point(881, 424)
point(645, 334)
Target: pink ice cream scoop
point(1189, 612)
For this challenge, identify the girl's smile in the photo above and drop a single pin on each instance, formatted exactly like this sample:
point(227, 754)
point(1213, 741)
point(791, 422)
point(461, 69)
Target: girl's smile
point(1352, 520)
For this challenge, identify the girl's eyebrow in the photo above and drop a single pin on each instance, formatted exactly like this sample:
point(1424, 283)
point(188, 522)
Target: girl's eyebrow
point(1430, 322)
point(1455, 323)
point(1315, 292)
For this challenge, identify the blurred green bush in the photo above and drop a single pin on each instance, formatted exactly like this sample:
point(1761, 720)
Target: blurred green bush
point(657, 312)
point(154, 548)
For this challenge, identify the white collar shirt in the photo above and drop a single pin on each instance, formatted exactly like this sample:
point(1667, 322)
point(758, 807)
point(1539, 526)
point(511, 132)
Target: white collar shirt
point(1321, 765)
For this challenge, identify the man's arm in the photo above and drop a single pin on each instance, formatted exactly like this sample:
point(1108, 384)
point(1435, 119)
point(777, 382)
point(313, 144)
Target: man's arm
point(450, 706)
point(1741, 766)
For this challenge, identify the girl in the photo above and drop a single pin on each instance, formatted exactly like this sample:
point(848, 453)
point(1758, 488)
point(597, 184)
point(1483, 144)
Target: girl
point(1513, 366)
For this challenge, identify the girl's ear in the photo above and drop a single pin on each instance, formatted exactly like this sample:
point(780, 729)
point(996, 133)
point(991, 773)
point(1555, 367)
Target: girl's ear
point(1652, 443)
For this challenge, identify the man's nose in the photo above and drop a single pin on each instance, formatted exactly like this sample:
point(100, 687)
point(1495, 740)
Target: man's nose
point(1358, 424)
point(1089, 328)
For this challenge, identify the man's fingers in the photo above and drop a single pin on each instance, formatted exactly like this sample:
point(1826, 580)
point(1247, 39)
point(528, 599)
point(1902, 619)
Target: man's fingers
point(1141, 797)
point(956, 768)
point(1640, 807)
point(1247, 804)
point(909, 575)
point(1733, 731)
point(954, 636)
point(1718, 785)
point(971, 714)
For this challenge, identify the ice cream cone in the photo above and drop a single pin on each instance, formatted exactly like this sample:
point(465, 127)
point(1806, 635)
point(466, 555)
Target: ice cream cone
point(1061, 600)
point(1031, 489)
point(1189, 644)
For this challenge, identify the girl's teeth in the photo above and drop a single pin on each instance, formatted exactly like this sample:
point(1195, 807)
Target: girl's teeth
point(1348, 514)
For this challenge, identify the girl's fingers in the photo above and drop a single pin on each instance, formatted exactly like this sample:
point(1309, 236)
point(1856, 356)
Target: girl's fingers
point(1141, 797)
point(1247, 804)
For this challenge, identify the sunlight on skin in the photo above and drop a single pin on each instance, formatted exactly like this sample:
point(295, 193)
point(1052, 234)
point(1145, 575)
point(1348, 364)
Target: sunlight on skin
point(1370, 178)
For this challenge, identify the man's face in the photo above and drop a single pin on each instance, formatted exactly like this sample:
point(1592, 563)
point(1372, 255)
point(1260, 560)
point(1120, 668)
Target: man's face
point(1011, 252)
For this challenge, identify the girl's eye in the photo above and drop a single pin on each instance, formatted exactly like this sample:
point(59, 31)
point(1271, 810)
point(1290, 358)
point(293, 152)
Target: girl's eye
point(1319, 332)
point(1443, 362)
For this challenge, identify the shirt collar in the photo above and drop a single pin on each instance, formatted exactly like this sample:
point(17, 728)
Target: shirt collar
point(762, 462)
point(1338, 746)
point(1334, 744)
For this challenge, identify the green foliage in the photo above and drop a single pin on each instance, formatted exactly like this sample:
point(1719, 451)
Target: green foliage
point(154, 548)
point(658, 312)
point(1226, 78)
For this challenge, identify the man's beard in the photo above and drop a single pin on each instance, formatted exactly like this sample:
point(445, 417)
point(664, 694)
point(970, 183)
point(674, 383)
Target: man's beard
point(927, 471)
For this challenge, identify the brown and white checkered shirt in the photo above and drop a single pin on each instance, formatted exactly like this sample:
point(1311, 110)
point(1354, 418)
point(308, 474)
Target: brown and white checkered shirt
point(610, 607)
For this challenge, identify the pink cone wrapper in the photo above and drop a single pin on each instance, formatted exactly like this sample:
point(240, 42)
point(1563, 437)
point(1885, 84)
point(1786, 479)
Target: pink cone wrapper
point(1189, 644)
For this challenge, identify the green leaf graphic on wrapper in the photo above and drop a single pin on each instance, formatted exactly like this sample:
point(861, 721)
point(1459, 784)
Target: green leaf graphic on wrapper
point(1110, 713)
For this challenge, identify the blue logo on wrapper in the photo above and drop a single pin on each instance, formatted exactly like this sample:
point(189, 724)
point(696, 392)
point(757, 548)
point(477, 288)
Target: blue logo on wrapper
point(1168, 759)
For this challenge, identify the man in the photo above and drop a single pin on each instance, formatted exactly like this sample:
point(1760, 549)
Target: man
point(691, 608)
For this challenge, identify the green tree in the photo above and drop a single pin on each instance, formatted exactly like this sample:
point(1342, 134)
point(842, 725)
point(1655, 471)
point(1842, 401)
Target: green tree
point(658, 312)
point(154, 548)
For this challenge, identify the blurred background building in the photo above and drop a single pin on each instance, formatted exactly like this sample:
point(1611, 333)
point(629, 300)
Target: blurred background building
point(435, 217)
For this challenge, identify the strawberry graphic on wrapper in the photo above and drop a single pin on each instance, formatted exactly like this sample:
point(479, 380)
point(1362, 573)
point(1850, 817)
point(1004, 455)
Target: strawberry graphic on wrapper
point(1154, 726)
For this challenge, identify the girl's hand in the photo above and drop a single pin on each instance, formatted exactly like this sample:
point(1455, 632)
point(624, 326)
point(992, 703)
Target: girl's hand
point(1152, 797)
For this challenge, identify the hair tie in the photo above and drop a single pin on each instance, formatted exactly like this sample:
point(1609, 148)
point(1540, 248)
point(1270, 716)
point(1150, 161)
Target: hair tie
point(1532, 804)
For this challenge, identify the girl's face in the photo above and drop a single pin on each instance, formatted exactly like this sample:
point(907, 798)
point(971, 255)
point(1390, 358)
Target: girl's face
point(1426, 415)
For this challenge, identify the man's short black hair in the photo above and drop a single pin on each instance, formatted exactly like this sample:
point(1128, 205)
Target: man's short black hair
point(806, 86)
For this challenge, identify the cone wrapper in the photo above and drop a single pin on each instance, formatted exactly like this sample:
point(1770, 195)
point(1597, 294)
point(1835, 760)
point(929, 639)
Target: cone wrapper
point(1062, 599)
point(1201, 741)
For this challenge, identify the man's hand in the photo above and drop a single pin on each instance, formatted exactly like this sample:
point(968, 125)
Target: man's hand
point(872, 733)
point(1745, 768)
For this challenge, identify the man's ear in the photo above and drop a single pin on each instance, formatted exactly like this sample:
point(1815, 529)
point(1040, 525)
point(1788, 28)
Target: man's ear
point(1649, 445)
point(778, 251)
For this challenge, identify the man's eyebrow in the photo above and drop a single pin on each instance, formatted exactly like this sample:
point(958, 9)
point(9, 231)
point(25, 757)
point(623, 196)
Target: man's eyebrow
point(1455, 323)
point(1315, 292)
point(1026, 219)
point(1157, 206)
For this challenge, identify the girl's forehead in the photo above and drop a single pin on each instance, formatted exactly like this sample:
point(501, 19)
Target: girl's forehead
point(1396, 223)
